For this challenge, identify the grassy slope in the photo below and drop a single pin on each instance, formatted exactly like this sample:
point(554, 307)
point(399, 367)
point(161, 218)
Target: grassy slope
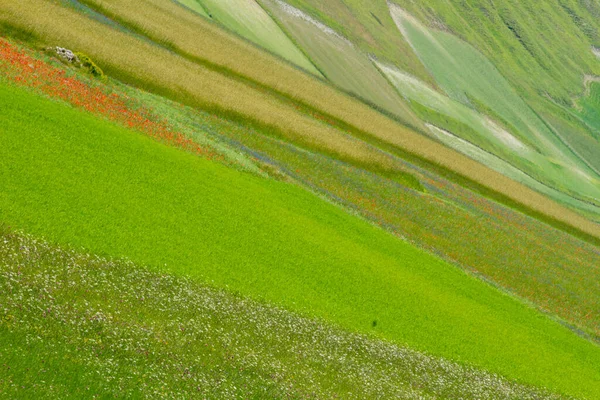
point(89, 326)
point(580, 136)
point(525, 53)
point(249, 20)
point(74, 179)
point(472, 126)
point(227, 72)
point(369, 26)
point(484, 140)
point(549, 268)
point(340, 61)
point(540, 47)
point(465, 74)
point(589, 109)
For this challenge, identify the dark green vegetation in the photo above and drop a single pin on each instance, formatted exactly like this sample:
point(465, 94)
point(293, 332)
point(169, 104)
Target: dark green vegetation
point(90, 66)
point(70, 177)
point(77, 326)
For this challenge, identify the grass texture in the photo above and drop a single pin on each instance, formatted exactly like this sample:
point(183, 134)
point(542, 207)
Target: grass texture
point(75, 325)
point(162, 72)
point(75, 179)
point(542, 48)
point(338, 59)
point(370, 27)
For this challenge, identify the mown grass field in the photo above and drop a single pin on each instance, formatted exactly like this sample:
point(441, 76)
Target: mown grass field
point(74, 179)
point(151, 72)
point(75, 325)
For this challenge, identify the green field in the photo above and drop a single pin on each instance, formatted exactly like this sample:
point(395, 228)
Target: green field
point(249, 20)
point(468, 77)
point(300, 199)
point(483, 131)
point(589, 109)
point(340, 61)
point(73, 179)
point(110, 328)
point(479, 137)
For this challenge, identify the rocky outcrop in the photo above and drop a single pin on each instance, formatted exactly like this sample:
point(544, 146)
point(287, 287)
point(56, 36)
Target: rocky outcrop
point(66, 54)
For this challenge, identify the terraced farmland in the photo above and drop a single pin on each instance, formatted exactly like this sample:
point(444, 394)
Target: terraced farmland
point(299, 199)
point(161, 224)
point(469, 78)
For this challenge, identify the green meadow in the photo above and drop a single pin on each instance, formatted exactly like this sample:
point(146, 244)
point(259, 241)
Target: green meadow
point(300, 199)
point(74, 179)
point(75, 325)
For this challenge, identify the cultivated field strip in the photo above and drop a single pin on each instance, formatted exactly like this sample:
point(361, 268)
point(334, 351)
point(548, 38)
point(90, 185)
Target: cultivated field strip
point(146, 64)
point(203, 41)
point(340, 60)
point(87, 182)
point(111, 328)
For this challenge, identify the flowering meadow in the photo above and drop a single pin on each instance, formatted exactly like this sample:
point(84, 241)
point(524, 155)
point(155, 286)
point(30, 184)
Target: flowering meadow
point(75, 325)
point(21, 67)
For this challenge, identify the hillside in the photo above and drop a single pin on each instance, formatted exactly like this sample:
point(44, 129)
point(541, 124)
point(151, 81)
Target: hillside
point(413, 189)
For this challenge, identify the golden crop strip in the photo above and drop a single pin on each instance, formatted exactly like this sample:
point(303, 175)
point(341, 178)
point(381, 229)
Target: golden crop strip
point(142, 62)
point(167, 22)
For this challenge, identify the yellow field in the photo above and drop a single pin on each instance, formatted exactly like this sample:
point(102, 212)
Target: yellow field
point(239, 87)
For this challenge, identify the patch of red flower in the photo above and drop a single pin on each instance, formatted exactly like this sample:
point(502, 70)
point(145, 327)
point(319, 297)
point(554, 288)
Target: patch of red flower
point(23, 69)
